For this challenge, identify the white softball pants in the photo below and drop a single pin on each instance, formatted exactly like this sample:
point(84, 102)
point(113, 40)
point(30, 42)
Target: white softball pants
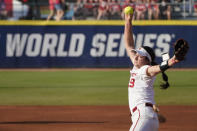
point(144, 119)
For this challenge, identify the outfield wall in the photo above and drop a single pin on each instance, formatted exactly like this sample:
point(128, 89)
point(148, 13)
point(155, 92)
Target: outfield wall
point(41, 44)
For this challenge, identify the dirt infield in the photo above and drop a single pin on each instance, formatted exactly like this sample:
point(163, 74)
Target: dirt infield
point(88, 118)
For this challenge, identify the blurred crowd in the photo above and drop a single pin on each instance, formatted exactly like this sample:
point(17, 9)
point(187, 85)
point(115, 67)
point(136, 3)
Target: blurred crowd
point(3, 12)
point(114, 9)
point(99, 9)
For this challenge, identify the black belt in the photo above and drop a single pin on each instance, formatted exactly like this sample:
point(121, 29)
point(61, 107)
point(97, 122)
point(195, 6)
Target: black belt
point(146, 104)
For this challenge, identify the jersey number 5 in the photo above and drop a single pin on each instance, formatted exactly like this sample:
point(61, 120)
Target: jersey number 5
point(132, 83)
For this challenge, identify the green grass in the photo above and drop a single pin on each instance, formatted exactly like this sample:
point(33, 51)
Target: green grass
point(89, 88)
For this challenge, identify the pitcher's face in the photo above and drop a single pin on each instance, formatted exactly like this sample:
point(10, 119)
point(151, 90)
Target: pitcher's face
point(140, 60)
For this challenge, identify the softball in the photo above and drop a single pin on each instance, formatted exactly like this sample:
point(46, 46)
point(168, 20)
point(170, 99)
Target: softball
point(128, 10)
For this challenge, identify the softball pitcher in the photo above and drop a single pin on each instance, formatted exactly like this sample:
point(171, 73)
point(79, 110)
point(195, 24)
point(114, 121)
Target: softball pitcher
point(142, 77)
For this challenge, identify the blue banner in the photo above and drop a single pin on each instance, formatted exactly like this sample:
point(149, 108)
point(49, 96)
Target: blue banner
point(45, 46)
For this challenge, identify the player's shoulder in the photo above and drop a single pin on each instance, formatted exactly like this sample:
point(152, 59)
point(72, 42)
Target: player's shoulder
point(143, 69)
point(133, 69)
point(144, 66)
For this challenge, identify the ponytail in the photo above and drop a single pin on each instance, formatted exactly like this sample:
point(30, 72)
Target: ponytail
point(164, 85)
point(165, 78)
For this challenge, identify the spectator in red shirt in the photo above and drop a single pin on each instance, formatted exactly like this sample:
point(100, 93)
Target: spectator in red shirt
point(153, 9)
point(115, 9)
point(89, 8)
point(102, 9)
point(140, 9)
point(52, 10)
point(195, 8)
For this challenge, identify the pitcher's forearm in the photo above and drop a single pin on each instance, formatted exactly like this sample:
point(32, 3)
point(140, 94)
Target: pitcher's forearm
point(154, 70)
point(128, 35)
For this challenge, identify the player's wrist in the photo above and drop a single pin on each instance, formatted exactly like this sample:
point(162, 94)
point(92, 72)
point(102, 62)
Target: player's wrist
point(164, 66)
